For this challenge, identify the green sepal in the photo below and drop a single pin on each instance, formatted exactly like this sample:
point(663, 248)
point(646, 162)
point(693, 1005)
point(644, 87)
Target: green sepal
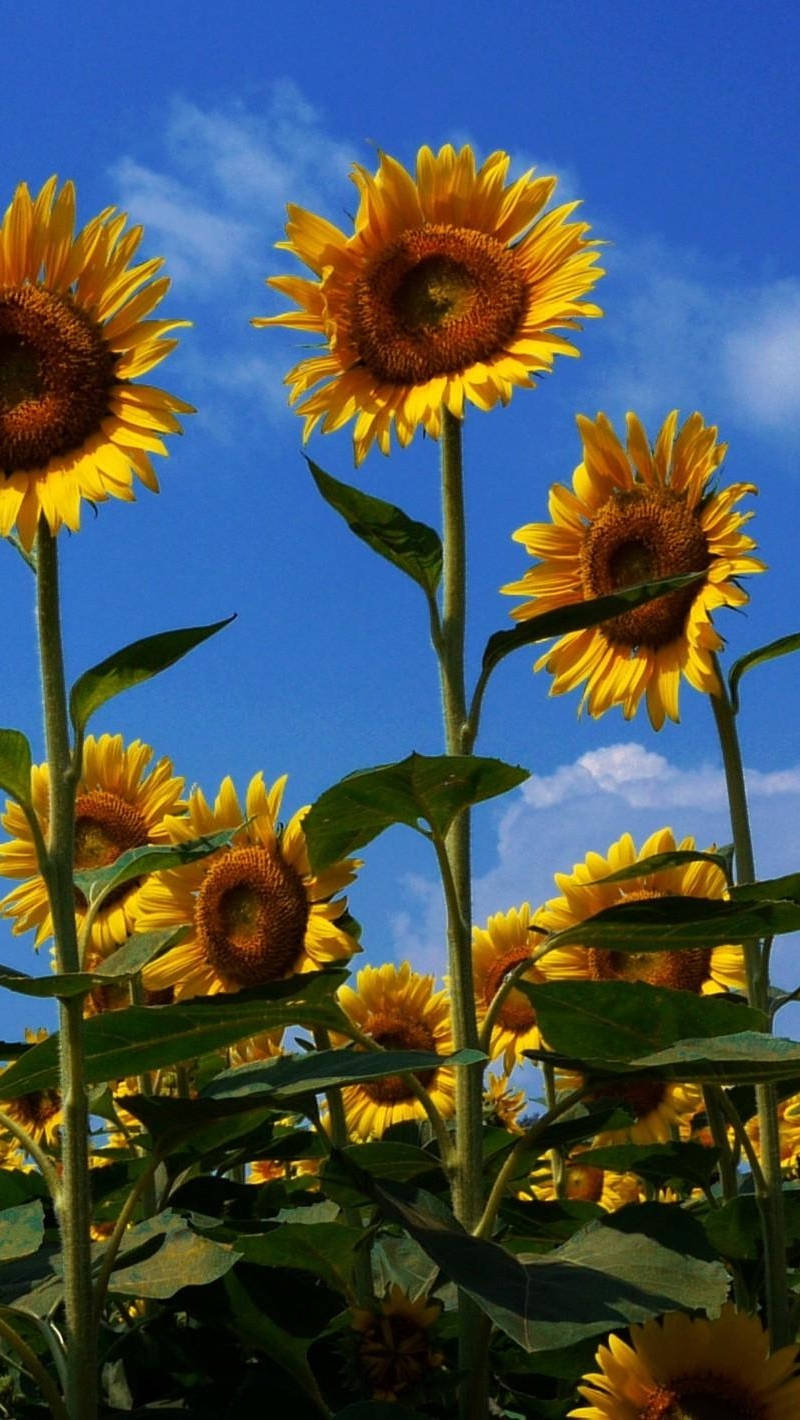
point(15, 766)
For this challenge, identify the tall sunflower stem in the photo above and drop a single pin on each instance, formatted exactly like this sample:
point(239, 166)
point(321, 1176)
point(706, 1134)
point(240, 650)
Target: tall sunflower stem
point(74, 1214)
point(557, 1164)
point(467, 1182)
point(364, 1291)
point(770, 1198)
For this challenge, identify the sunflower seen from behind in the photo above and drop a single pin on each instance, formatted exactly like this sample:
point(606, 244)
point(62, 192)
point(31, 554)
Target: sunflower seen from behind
point(684, 1368)
point(448, 291)
point(254, 912)
point(399, 1010)
point(702, 970)
point(639, 514)
point(121, 802)
point(75, 332)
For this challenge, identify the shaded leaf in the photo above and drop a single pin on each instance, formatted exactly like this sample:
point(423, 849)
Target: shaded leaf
point(323, 1069)
point(667, 923)
point(121, 965)
point(258, 1329)
point(382, 1159)
point(748, 1056)
point(21, 1230)
point(782, 647)
point(622, 1020)
point(678, 858)
point(377, 1410)
point(325, 1249)
point(184, 1259)
point(413, 547)
point(577, 616)
point(120, 1043)
point(96, 883)
point(786, 888)
point(15, 765)
point(658, 1163)
point(666, 1223)
point(431, 789)
point(133, 664)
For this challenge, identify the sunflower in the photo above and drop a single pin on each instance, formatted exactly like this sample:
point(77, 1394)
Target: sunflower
point(399, 1010)
point(788, 1135)
point(502, 1105)
point(450, 288)
point(74, 334)
point(660, 1109)
point(684, 1368)
point(586, 1184)
point(395, 1351)
point(639, 516)
point(39, 1112)
point(118, 806)
point(255, 912)
point(503, 944)
point(703, 970)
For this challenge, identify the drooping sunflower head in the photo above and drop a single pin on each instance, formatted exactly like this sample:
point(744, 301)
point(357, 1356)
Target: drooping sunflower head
point(120, 804)
point(74, 334)
point(399, 1010)
point(395, 1351)
point(639, 514)
point(254, 912)
point(40, 1112)
point(703, 970)
point(450, 288)
point(683, 1368)
point(585, 1183)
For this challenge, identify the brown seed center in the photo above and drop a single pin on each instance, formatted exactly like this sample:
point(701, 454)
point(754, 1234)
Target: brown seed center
point(395, 1032)
point(516, 1013)
point(437, 299)
point(682, 970)
point(584, 1183)
point(56, 374)
point(640, 1096)
point(703, 1396)
point(251, 916)
point(640, 536)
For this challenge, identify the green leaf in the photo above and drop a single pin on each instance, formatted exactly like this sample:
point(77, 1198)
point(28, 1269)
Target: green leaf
point(660, 862)
point(597, 1280)
point(782, 647)
point(383, 1159)
point(577, 616)
point(325, 1249)
point(184, 1259)
point(658, 1163)
point(665, 923)
point(622, 1020)
point(324, 1069)
point(746, 1057)
point(15, 765)
point(411, 546)
point(119, 967)
point(377, 1410)
point(120, 1043)
point(132, 665)
point(258, 1329)
point(783, 889)
point(97, 883)
point(22, 1230)
point(420, 788)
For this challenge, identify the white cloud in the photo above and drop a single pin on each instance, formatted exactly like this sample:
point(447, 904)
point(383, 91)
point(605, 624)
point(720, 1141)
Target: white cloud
point(200, 245)
point(762, 357)
point(552, 821)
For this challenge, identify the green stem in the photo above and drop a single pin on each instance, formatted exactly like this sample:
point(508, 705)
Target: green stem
point(557, 1164)
point(364, 1291)
point(113, 1245)
point(74, 1216)
point(467, 1184)
point(35, 1370)
point(770, 1201)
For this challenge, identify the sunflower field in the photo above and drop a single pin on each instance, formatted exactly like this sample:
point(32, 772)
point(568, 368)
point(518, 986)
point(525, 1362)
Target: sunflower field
point(248, 1175)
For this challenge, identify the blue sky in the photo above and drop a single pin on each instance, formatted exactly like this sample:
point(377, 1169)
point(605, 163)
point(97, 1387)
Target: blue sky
point(676, 125)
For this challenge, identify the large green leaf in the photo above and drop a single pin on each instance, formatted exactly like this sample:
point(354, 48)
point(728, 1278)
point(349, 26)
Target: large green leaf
point(120, 1043)
point(325, 1249)
point(747, 1057)
point(97, 883)
point(183, 1259)
point(15, 765)
point(782, 647)
point(665, 923)
point(383, 1159)
point(577, 616)
point(323, 1069)
point(132, 665)
point(21, 1230)
point(421, 788)
point(623, 1020)
point(411, 546)
point(258, 1329)
point(116, 969)
point(786, 888)
point(658, 1163)
point(597, 1280)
